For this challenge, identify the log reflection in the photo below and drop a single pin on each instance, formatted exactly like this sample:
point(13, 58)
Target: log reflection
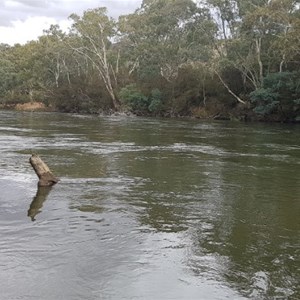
point(38, 201)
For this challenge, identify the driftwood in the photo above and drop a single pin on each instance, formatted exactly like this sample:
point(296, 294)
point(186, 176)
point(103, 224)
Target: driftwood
point(46, 178)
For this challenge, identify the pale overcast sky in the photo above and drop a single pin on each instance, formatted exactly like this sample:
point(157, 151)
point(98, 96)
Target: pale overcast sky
point(25, 20)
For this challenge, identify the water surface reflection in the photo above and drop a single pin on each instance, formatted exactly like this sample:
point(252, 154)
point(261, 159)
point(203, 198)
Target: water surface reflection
point(38, 201)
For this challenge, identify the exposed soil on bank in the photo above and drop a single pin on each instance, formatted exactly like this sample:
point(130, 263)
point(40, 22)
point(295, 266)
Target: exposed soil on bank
point(29, 106)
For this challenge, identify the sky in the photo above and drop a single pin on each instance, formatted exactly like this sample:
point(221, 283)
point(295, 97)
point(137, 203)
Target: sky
point(24, 20)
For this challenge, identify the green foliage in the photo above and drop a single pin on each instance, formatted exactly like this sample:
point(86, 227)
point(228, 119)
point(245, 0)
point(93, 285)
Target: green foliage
point(169, 57)
point(8, 76)
point(138, 103)
point(265, 100)
point(156, 105)
point(164, 35)
point(134, 99)
point(280, 95)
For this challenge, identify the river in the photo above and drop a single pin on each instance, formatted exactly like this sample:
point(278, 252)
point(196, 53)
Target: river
point(149, 209)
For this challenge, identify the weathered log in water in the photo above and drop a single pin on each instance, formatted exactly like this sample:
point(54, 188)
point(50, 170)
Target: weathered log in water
point(46, 178)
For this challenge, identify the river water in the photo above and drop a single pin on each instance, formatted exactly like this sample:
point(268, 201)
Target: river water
point(149, 209)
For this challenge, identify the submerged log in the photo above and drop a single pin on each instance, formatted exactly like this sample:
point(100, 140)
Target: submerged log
point(46, 178)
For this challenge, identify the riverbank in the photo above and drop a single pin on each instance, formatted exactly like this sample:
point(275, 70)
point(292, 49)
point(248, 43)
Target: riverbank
point(210, 112)
point(239, 113)
point(29, 106)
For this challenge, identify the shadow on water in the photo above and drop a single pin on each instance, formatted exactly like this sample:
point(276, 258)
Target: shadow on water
point(38, 201)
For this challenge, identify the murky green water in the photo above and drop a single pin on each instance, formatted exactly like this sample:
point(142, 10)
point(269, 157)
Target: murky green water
point(149, 209)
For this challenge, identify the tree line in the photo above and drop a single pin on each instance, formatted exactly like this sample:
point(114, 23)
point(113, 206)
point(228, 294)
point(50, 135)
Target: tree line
point(220, 59)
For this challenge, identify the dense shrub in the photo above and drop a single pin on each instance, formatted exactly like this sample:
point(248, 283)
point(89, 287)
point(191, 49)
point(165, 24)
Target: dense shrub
point(134, 99)
point(156, 105)
point(279, 96)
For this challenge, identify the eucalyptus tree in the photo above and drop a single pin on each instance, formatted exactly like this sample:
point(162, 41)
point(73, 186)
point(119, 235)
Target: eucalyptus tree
point(262, 28)
point(56, 56)
point(168, 34)
point(226, 15)
point(164, 36)
point(253, 39)
point(26, 63)
point(8, 75)
point(31, 71)
point(273, 29)
point(91, 39)
point(19, 80)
